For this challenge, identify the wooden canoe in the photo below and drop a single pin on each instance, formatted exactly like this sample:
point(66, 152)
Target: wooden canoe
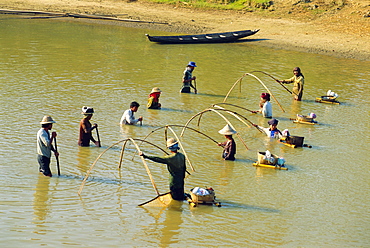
point(202, 38)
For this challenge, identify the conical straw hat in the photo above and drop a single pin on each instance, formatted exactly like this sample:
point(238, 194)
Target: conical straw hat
point(227, 130)
point(47, 119)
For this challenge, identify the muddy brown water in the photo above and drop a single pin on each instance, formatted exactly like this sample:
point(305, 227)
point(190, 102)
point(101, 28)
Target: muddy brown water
point(55, 67)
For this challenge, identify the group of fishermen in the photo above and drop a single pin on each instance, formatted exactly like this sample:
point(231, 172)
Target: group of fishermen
point(175, 161)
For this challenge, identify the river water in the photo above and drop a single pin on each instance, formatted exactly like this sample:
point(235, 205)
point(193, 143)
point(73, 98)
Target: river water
point(54, 67)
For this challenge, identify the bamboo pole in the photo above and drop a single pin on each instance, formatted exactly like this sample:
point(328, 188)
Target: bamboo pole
point(92, 166)
point(236, 115)
point(146, 167)
point(121, 155)
point(232, 87)
point(249, 74)
point(222, 116)
point(276, 81)
point(182, 147)
point(259, 80)
point(182, 126)
point(101, 154)
point(213, 105)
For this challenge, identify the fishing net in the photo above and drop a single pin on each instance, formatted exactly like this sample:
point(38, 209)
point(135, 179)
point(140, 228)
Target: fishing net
point(162, 200)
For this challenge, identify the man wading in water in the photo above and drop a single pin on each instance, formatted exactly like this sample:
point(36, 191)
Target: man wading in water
point(44, 145)
point(188, 78)
point(86, 128)
point(176, 167)
point(298, 83)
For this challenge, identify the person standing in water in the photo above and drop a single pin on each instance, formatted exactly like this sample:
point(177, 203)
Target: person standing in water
point(188, 78)
point(153, 100)
point(45, 146)
point(265, 106)
point(229, 145)
point(128, 117)
point(176, 166)
point(298, 83)
point(86, 128)
point(271, 131)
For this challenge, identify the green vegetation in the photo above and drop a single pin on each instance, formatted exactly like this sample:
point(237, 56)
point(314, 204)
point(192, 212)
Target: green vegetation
point(220, 4)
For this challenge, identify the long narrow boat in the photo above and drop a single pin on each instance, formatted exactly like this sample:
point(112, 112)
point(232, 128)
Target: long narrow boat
point(203, 38)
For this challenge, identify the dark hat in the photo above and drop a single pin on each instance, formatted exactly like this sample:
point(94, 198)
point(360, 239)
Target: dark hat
point(191, 63)
point(273, 122)
point(297, 69)
point(265, 95)
point(87, 110)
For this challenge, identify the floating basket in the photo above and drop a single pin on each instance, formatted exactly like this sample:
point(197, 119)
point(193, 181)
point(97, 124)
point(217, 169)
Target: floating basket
point(329, 98)
point(305, 118)
point(295, 140)
point(203, 198)
point(262, 160)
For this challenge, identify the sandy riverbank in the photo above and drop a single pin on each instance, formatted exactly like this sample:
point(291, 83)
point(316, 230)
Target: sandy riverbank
point(343, 32)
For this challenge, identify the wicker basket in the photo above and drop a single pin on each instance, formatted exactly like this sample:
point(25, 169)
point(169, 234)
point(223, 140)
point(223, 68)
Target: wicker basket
point(203, 198)
point(305, 118)
point(262, 160)
point(295, 140)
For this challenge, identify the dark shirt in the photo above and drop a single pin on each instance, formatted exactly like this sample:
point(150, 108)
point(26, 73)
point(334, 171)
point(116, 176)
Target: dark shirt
point(229, 149)
point(176, 167)
point(188, 74)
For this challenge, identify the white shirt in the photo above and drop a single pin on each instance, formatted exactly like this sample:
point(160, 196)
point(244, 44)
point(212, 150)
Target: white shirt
point(43, 143)
point(267, 110)
point(128, 118)
point(276, 134)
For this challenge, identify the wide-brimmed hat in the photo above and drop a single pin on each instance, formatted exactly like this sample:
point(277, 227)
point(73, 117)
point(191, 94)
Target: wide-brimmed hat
point(191, 63)
point(87, 110)
point(47, 120)
point(273, 122)
point(171, 142)
point(156, 89)
point(227, 130)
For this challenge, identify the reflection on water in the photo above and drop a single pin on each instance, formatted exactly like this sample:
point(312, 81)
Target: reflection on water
point(56, 66)
point(41, 203)
point(166, 226)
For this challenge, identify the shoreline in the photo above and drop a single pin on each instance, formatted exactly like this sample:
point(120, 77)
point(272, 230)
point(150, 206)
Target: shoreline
point(318, 36)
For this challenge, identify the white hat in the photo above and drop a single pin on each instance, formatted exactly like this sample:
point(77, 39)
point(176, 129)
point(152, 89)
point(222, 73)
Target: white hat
point(227, 130)
point(47, 119)
point(87, 110)
point(156, 89)
point(171, 142)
